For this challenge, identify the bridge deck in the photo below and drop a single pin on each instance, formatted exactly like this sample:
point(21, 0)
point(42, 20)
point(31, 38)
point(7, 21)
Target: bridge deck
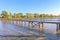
point(41, 21)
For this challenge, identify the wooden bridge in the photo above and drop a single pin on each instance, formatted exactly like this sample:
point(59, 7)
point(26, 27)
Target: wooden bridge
point(39, 22)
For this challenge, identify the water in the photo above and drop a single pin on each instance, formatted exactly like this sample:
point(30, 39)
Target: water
point(12, 30)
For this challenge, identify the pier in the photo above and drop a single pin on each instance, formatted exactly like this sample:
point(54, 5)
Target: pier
point(41, 22)
point(26, 28)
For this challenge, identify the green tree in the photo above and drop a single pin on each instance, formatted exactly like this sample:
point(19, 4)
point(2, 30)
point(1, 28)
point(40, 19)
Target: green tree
point(36, 15)
point(14, 16)
point(29, 15)
point(5, 14)
point(10, 15)
point(19, 15)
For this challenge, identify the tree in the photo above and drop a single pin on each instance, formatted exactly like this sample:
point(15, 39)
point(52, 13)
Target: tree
point(14, 16)
point(5, 14)
point(29, 15)
point(10, 15)
point(36, 15)
point(19, 15)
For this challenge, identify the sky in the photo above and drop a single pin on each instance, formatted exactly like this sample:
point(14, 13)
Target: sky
point(31, 6)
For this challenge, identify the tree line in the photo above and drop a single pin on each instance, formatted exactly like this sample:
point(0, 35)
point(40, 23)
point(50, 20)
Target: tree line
point(19, 16)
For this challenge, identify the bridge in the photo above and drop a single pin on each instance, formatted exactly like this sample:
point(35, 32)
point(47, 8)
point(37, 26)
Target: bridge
point(21, 28)
point(39, 22)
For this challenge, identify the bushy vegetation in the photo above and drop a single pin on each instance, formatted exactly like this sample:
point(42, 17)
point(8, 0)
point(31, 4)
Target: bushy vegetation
point(21, 16)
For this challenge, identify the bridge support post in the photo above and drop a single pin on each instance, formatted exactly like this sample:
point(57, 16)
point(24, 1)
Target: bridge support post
point(13, 22)
point(16, 22)
point(28, 24)
point(24, 23)
point(19, 22)
point(8, 21)
point(32, 25)
point(42, 26)
point(39, 26)
point(58, 28)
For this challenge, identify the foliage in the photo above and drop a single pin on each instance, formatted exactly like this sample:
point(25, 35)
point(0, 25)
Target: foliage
point(5, 14)
point(20, 16)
